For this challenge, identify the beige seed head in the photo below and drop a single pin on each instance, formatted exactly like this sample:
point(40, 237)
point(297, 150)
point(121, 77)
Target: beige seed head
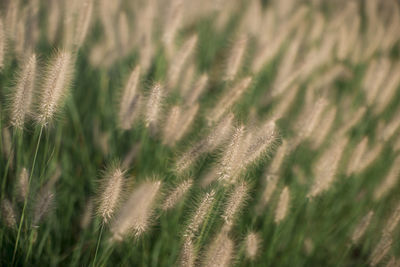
point(179, 60)
point(278, 158)
point(123, 33)
point(171, 124)
point(23, 183)
point(285, 102)
point(325, 125)
point(381, 249)
point(386, 131)
point(311, 118)
point(129, 101)
point(357, 156)
point(229, 99)
point(393, 221)
point(390, 180)
point(8, 213)
point(44, 203)
point(87, 215)
point(253, 242)
point(83, 21)
point(220, 251)
point(231, 160)
point(110, 193)
point(370, 156)
point(200, 215)
point(260, 143)
point(153, 106)
point(178, 123)
point(188, 256)
point(134, 217)
point(55, 86)
point(352, 120)
point(234, 204)
point(326, 167)
point(188, 158)
point(192, 96)
point(172, 24)
point(308, 246)
point(7, 144)
point(186, 120)
point(221, 132)
point(283, 205)
point(177, 194)
point(236, 58)
point(218, 136)
point(362, 227)
point(131, 155)
point(53, 20)
point(21, 98)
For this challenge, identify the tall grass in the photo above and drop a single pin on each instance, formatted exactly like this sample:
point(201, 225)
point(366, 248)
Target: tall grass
point(199, 133)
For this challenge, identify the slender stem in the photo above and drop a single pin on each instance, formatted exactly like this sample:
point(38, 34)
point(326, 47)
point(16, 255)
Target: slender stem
point(26, 197)
point(30, 246)
point(98, 243)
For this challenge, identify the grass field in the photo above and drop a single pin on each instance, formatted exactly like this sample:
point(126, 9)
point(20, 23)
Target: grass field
point(199, 133)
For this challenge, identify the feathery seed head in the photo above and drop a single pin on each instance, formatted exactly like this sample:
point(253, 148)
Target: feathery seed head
point(234, 204)
point(55, 86)
point(134, 217)
point(326, 167)
point(220, 251)
point(278, 158)
point(8, 214)
point(153, 106)
point(221, 132)
point(393, 221)
point(362, 227)
point(187, 117)
point(381, 249)
point(179, 60)
point(83, 20)
point(23, 183)
point(390, 180)
point(43, 204)
point(111, 192)
point(21, 99)
point(229, 99)
point(253, 243)
point(188, 256)
point(260, 143)
point(129, 101)
point(236, 58)
point(177, 194)
point(7, 144)
point(200, 215)
point(171, 124)
point(192, 96)
point(357, 156)
point(231, 160)
point(87, 215)
point(283, 205)
point(219, 135)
